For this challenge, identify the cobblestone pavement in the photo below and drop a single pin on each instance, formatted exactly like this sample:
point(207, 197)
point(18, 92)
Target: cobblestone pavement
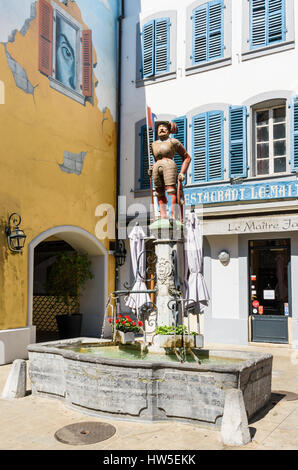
point(30, 423)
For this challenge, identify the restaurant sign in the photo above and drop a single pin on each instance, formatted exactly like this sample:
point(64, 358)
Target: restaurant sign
point(240, 192)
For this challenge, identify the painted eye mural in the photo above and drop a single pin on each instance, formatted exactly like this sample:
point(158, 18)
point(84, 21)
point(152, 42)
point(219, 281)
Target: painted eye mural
point(65, 53)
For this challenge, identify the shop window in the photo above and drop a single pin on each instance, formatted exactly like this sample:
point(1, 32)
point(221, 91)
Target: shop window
point(270, 141)
point(65, 52)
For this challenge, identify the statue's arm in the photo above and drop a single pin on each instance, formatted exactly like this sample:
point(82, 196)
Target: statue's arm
point(186, 160)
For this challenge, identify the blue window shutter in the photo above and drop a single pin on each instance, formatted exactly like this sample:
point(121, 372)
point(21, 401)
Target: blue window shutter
point(215, 30)
point(199, 148)
point(162, 45)
point(200, 32)
point(208, 32)
point(275, 21)
point(294, 125)
point(148, 49)
point(181, 136)
point(257, 23)
point(237, 137)
point(144, 177)
point(267, 22)
point(215, 145)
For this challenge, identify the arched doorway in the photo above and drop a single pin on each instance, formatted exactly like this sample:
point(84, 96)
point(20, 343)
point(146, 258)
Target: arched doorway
point(93, 299)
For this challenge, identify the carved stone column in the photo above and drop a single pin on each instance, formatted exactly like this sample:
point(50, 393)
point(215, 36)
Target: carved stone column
point(169, 250)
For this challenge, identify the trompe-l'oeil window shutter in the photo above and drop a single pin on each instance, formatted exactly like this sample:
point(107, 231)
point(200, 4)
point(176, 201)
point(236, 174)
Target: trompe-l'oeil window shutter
point(181, 136)
point(87, 62)
point(144, 177)
point(207, 162)
point(237, 137)
point(45, 37)
point(207, 32)
point(294, 143)
point(267, 22)
point(156, 47)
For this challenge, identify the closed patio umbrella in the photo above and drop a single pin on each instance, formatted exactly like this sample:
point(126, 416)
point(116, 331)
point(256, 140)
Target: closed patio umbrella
point(196, 288)
point(137, 246)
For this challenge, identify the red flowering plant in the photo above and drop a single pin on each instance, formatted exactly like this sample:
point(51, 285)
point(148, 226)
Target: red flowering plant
point(126, 324)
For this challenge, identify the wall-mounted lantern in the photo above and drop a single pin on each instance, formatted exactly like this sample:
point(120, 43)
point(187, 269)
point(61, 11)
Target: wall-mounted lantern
point(120, 253)
point(15, 236)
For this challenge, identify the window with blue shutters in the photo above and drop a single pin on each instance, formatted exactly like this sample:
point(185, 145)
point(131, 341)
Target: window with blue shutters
point(207, 147)
point(237, 142)
point(156, 47)
point(208, 32)
point(267, 22)
point(144, 177)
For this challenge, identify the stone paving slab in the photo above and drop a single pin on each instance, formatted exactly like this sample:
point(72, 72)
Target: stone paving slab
point(30, 423)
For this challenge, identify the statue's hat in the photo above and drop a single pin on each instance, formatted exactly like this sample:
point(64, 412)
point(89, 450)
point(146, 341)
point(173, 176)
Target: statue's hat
point(172, 126)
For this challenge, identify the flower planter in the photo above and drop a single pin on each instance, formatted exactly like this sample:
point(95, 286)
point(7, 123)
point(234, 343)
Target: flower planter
point(168, 341)
point(125, 338)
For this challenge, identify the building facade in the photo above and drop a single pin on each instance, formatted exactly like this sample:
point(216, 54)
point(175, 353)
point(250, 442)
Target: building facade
point(58, 72)
point(226, 72)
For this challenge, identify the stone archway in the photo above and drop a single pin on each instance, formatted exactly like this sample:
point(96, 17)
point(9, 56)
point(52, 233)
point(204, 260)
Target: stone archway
point(94, 297)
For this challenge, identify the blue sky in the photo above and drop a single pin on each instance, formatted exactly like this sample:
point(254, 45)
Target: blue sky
point(101, 17)
point(13, 14)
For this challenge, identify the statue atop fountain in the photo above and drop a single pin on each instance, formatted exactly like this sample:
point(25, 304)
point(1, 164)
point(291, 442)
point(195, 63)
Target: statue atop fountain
point(164, 171)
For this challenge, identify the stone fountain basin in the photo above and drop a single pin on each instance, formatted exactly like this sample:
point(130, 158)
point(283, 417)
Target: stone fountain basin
point(148, 390)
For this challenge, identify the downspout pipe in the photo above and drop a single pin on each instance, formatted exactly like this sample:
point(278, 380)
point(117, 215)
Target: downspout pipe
point(119, 98)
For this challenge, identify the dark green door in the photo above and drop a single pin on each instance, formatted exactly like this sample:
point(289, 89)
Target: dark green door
point(269, 281)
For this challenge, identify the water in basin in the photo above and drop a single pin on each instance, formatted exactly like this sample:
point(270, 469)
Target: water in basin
point(133, 353)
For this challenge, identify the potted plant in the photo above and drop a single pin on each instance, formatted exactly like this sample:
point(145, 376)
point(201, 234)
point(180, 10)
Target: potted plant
point(125, 328)
point(66, 280)
point(165, 337)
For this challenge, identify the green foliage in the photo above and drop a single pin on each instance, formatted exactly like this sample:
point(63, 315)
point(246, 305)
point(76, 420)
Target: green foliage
point(68, 277)
point(170, 330)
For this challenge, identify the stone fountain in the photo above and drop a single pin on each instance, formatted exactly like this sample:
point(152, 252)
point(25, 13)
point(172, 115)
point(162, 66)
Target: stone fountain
point(155, 378)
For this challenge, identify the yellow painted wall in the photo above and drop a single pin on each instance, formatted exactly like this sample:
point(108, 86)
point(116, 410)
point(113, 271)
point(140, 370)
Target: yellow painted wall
point(34, 133)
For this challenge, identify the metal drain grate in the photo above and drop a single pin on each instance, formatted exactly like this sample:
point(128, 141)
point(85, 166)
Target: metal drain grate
point(85, 433)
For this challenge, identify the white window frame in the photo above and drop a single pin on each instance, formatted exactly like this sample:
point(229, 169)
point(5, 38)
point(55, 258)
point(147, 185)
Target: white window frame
point(56, 84)
point(288, 43)
point(271, 142)
point(190, 68)
point(172, 73)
